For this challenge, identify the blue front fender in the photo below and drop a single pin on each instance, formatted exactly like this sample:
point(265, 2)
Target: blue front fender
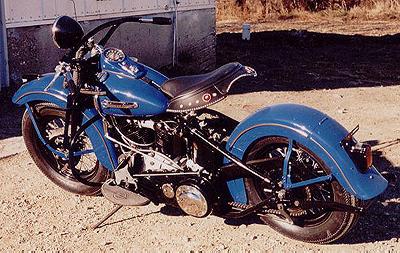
point(318, 132)
point(34, 91)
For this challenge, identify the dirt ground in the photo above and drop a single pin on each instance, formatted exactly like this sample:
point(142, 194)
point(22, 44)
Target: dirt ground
point(353, 78)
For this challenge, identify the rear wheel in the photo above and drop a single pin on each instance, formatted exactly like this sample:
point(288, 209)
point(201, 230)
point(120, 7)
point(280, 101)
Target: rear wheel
point(51, 121)
point(315, 225)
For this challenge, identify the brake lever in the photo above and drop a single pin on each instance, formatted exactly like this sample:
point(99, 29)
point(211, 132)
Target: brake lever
point(69, 82)
point(61, 69)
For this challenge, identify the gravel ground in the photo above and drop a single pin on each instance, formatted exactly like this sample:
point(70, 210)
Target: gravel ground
point(36, 215)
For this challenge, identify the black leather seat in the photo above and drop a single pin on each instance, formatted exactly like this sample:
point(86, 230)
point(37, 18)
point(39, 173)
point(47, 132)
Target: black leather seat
point(182, 85)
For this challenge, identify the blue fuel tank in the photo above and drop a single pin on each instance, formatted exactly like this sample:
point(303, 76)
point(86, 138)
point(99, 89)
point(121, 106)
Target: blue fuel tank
point(132, 88)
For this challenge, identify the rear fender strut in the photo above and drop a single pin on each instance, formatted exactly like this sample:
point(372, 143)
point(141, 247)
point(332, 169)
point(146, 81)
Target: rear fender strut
point(286, 177)
point(321, 134)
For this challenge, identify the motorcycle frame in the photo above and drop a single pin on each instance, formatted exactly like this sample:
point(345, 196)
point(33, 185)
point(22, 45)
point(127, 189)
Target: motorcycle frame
point(304, 127)
point(286, 170)
point(196, 133)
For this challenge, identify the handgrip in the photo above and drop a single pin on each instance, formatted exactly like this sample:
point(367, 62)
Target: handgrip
point(162, 21)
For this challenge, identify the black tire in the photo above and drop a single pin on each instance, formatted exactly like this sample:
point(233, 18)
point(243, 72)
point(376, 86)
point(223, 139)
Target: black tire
point(49, 163)
point(322, 227)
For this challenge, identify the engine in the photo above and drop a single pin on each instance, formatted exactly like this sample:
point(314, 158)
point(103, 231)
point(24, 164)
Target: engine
point(150, 148)
point(172, 163)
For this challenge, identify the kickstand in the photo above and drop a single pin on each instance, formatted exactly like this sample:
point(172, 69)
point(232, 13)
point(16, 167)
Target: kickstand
point(98, 224)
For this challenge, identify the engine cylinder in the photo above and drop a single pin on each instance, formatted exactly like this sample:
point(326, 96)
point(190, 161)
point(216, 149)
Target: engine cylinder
point(142, 136)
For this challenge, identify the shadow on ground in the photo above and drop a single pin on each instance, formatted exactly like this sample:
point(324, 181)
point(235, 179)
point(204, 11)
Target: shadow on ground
point(10, 115)
point(381, 222)
point(286, 61)
point(125, 219)
point(300, 60)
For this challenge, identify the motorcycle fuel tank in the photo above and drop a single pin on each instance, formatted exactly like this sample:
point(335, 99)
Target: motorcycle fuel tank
point(132, 88)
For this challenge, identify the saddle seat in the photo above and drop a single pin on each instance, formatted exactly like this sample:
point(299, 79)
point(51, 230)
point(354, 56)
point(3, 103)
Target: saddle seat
point(198, 91)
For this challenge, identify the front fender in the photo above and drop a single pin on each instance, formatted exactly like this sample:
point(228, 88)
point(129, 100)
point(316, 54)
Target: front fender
point(34, 91)
point(313, 129)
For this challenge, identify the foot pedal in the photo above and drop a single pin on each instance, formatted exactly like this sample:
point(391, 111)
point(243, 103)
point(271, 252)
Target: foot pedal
point(122, 196)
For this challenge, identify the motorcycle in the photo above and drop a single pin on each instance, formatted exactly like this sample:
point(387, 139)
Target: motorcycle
point(104, 123)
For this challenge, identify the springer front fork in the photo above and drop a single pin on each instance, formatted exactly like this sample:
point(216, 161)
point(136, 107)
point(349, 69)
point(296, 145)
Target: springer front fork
point(70, 133)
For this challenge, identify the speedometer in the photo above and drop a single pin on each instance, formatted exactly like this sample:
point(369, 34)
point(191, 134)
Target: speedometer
point(114, 55)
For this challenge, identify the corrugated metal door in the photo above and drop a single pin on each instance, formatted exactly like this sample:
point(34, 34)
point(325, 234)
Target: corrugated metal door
point(37, 12)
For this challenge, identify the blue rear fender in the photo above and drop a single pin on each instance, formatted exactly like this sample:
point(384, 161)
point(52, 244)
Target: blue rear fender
point(318, 132)
point(34, 91)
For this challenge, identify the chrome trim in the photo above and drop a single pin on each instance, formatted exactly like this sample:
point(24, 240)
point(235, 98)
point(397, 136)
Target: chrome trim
point(168, 191)
point(197, 108)
point(146, 20)
point(192, 200)
point(119, 105)
point(41, 92)
point(164, 174)
point(303, 133)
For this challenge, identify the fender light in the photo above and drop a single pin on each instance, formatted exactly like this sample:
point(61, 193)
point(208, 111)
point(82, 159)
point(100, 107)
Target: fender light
point(360, 153)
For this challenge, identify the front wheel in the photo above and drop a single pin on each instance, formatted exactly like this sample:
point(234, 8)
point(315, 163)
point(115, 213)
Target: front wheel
point(315, 225)
point(51, 122)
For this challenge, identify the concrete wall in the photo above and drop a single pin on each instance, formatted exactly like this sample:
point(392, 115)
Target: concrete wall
point(31, 49)
point(197, 41)
point(4, 81)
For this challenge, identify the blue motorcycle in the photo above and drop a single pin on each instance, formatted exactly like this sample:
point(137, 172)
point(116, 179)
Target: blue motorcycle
point(104, 123)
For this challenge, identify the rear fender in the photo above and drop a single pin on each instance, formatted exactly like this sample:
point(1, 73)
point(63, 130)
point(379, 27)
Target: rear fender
point(318, 132)
point(34, 91)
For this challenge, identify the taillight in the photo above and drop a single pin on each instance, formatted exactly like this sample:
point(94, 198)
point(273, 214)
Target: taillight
point(368, 155)
point(360, 153)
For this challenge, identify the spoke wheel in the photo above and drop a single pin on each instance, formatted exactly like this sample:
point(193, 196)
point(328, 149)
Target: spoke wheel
point(51, 122)
point(315, 225)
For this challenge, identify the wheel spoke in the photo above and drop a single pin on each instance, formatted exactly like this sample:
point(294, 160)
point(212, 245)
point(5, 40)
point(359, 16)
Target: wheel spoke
point(54, 135)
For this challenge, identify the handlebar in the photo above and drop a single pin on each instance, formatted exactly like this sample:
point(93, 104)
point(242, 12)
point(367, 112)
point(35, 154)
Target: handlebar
point(75, 55)
point(113, 25)
point(162, 21)
point(116, 23)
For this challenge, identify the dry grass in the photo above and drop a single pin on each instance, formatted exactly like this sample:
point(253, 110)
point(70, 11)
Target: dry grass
point(251, 10)
point(376, 9)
